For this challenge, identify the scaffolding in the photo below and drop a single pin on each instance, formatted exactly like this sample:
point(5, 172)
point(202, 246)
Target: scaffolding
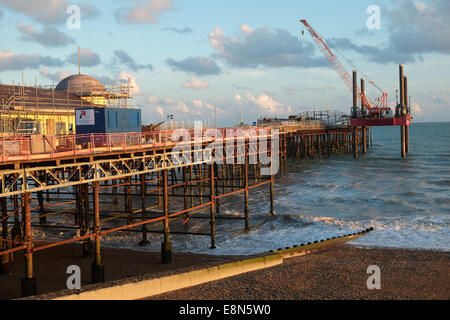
point(42, 110)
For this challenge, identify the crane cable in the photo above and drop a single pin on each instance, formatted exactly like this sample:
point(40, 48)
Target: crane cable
point(326, 40)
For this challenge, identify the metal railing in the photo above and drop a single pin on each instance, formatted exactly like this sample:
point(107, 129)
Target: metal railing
point(20, 148)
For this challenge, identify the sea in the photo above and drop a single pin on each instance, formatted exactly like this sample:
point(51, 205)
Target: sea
point(406, 201)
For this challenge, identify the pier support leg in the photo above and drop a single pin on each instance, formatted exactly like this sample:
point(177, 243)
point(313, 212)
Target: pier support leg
point(42, 217)
point(364, 140)
point(5, 265)
point(212, 199)
point(97, 267)
point(272, 208)
point(406, 139)
point(166, 246)
point(87, 244)
point(16, 232)
point(402, 140)
point(246, 211)
point(355, 143)
point(144, 242)
point(29, 282)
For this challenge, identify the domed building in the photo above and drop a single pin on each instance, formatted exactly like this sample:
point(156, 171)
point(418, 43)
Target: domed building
point(85, 87)
point(79, 83)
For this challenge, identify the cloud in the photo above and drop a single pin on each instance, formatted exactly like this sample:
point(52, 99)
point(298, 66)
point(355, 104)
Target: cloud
point(290, 90)
point(158, 100)
point(10, 61)
point(240, 87)
point(265, 103)
point(177, 30)
point(48, 11)
point(125, 77)
point(88, 58)
point(264, 47)
point(184, 109)
point(126, 59)
point(238, 98)
point(199, 66)
point(414, 28)
point(48, 37)
point(160, 111)
point(55, 77)
point(196, 84)
point(416, 109)
point(144, 12)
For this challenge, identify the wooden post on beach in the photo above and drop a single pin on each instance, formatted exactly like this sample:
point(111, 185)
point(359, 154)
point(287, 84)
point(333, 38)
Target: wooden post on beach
point(5, 265)
point(97, 267)
point(212, 199)
point(144, 242)
point(166, 246)
point(29, 282)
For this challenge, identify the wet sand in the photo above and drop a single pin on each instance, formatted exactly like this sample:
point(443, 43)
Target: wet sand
point(338, 273)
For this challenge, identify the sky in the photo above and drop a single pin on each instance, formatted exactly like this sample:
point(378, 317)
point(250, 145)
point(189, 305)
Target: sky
point(219, 60)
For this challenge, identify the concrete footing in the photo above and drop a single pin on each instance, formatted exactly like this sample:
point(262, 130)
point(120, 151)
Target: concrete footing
point(166, 252)
point(98, 273)
point(29, 287)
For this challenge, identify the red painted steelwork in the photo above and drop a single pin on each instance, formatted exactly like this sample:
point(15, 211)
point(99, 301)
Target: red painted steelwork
point(380, 122)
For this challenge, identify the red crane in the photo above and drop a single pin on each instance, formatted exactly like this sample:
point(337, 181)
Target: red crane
point(375, 109)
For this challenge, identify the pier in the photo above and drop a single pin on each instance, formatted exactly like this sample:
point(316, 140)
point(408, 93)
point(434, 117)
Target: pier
point(202, 167)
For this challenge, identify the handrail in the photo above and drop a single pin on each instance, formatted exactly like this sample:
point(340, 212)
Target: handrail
point(27, 147)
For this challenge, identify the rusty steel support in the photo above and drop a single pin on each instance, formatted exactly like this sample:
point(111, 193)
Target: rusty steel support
point(29, 282)
point(364, 140)
point(87, 244)
point(246, 211)
point(16, 232)
point(402, 110)
point(408, 108)
point(97, 267)
point(272, 182)
point(185, 189)
point(355, 142)
point(212, 199)
point(5, 264)
point(42, 216)
point(355, 94)
point(191, 188)
point(166, 246)
point(144, 242)
point(200, 184)
point(216, 178)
